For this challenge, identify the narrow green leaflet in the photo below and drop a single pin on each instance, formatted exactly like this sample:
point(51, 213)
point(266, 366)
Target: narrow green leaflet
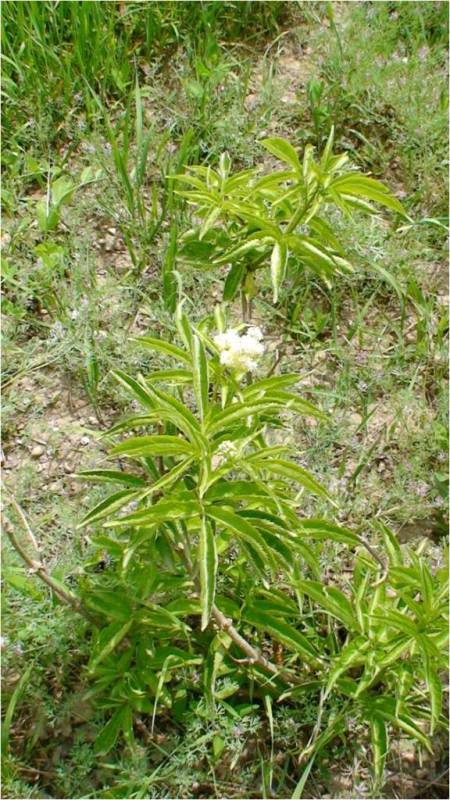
point(385, 708)
point(330, 598)
point(175, 376)
point(283, 150)
point(107, 738)
point(321, 529)
point(169, 477)
point(135, 389)
point(278, 262)
point(351, 655)
point(294, 472)
point(283, 632)
point(152, 446)
point(361, 186)
point(108, 640)
point(111, 476)
point(434, 686)
point(242, 528)
point(207, 560)
point(164, 347)
point(108, 506)
point(201, 376)
point(160, 512)
point(380, 742)
point(233, 281)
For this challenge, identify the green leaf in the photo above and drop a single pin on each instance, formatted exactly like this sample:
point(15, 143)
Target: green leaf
point(111, 603)
point(175, 376)
point(107, 737)
point(328, 150)
point(321, 529)
point(434, 686)
point(283, 632)
point(169, 477)
point(385, 708)
point(379, 741)
point(242, 528)
point(265, 385)
point(62, 191)
point(278, 263)
point(152, 446)
point(201, 376)
point(233, 281)
point(283, 150)
point(330, 598)
point(160, 512)
point(361, 186)
point(352, 654)
point(293, 472)
point(111, 476)
point(108, 640)
point(108, 506)
point(298, 791)
point(207, 559)
point(164, 347)
point(9, 713)
point(168, 271)
point(389, 278)
point(135, 389)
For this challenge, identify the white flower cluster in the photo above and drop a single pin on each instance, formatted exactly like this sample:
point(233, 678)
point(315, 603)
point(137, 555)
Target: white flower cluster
point(240, 352)
point(226, 451)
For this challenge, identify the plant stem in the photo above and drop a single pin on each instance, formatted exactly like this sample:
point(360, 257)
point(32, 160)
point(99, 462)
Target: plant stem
point(38, 566)
point(225, 624)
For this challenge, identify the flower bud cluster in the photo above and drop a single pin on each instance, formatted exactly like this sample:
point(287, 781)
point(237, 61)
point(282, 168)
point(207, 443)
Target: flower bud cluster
point(226, 451)
point(240, 352)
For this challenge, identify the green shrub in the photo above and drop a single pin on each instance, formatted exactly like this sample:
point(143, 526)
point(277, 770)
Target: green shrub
point(250, 221)
point(214, 580)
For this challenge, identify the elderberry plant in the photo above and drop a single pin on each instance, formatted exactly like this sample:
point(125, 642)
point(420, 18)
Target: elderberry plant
point(249, 221)
point(214, 581)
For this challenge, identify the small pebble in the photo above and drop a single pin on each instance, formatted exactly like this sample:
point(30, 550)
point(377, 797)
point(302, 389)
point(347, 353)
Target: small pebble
point(422, 773)
point(84, 440)
point(37, 451)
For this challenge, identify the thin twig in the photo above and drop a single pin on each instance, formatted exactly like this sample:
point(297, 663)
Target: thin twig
point(377, 558)
point(37, 566)
point(254, 656)
point(225, 624)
